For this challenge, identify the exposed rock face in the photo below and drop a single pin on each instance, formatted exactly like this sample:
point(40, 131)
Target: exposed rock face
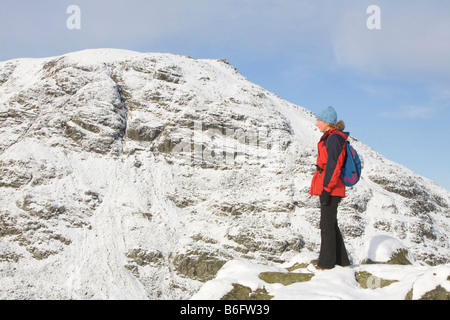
point(129, 175)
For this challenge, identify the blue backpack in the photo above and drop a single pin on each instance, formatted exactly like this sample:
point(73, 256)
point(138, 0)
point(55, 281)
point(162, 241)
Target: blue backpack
point(351, 170)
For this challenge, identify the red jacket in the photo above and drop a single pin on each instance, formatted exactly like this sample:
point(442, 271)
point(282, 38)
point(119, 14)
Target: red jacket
point(330, 160)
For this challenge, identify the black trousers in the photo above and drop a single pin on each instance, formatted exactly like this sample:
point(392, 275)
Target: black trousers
point(332, 247)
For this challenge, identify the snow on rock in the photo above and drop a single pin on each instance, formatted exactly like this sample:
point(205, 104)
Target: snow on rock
point(407, 282)
point(144, 175)
point(382, 248)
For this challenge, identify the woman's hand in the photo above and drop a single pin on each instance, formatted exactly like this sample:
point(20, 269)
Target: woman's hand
point(325, 198)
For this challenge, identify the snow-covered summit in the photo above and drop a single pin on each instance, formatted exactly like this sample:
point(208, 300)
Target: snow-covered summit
point(140, 175)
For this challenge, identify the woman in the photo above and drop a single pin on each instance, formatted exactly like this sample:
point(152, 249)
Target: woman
point(327, 184)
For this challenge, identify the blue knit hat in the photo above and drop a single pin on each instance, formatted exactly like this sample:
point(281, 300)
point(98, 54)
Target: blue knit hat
point(328, 115)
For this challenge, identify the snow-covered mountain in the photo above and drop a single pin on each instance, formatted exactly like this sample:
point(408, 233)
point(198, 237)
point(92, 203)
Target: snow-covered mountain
point(131, 175)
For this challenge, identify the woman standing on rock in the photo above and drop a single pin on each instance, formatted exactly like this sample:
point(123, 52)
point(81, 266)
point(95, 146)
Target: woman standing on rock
point(327, 184)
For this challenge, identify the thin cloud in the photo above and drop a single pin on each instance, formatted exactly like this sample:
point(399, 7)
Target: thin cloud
point(411, 112)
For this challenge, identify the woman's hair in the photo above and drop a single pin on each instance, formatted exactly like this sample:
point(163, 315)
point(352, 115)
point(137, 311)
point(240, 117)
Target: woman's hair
point(340, 125)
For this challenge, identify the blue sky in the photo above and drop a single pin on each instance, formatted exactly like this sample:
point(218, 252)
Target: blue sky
point(391, 85)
